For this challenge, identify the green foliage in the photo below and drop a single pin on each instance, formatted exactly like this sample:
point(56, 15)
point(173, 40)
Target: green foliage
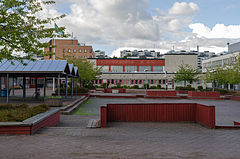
point(186, 73)
point(105, 85)
point(200, 87)
point(18, 113)
point(87, 71)
point(185, 88)
point(135, 87)
point(153, 87)
point(22, 29)
point(159, 86)
point(54, 97)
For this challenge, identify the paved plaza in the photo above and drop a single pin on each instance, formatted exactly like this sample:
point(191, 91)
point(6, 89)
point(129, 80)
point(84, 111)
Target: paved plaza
point(71, 138)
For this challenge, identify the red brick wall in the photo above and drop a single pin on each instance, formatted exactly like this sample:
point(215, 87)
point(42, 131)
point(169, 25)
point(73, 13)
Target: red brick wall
point(205, 115)
point(109, 90)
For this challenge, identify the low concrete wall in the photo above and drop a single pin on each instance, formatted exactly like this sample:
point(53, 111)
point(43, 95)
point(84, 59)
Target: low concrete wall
point(31, 125)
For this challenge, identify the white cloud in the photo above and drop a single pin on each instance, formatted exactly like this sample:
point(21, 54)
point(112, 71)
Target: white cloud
point(183, 8)
point(218, 31)
point(129, 24)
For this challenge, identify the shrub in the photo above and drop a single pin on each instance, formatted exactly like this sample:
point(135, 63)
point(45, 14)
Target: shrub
point(159, 86)
point(18, 113)
point(153, 87)
point(185, 88)
point(135, 87)
point(200, 87)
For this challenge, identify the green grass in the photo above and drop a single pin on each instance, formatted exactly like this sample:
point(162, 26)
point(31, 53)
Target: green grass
point(82, 110)
point(18, 113)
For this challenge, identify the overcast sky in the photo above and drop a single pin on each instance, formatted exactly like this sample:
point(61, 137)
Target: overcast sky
point(113, 25)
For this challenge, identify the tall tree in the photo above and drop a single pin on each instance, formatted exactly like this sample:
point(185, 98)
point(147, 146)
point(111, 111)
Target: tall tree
point(22, 30)
point(186, 73)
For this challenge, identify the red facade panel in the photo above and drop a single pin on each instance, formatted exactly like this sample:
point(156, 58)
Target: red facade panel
point(130, 62)
point(162, 93)
point(204, 94)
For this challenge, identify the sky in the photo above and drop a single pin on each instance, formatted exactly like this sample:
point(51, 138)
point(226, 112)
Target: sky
point(115, 25)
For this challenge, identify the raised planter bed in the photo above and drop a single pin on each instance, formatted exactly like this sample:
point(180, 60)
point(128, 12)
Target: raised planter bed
point(31, 125)
point(203, 94)
point(161, 93)
point(235, 98)
point(111, 90)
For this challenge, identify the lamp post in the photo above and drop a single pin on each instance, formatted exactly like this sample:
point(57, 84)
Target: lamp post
point(213, 84)
point(146, 70)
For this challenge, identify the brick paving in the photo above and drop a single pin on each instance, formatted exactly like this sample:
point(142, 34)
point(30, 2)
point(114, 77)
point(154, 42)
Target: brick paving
point(71, 138)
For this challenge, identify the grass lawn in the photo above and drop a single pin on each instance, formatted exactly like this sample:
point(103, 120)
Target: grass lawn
point(18, 113)
point(83, 110)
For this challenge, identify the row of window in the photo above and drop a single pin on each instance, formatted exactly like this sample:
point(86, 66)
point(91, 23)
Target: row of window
point(75, 50)
point(123, 82)
point(81, 57)
point(132, 68)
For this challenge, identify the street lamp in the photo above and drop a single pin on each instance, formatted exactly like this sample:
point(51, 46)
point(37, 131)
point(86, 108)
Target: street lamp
point(146, 70)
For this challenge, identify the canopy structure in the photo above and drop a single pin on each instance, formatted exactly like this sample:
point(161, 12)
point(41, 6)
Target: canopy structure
point(41, 68)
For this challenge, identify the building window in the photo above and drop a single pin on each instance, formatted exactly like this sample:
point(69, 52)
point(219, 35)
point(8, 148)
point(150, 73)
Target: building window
point(164, 81)
point(80, 50)
point(112, 81)
point(120, 81)
point(79, 56)
point(85, 50)
point(74, 50)
point(100, 81)
point(142, 68)
point(136, 81)
point(104, 68)
point(140, 81)
point(159, 82)
point(130, 68)
point(157, 68)
point(63, 50)
point(85, 57)
point(132, 81)
point(69, 50)
point(116, 68)
point(151, 81)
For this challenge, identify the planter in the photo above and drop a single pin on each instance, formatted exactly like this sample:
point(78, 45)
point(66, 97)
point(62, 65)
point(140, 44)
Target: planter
point(54, 102)
point(31, 125)
point(235, 98)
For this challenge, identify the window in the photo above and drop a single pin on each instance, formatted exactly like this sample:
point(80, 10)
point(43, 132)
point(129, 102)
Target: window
point(100, 81)
point(112, 81)
point(85, 57)
point(136, 81)
point(79, 56)
point(142, 68)
point(116, 68)
point(132, 82)
point(130, 68)
point(69, 50)
point(157, 68)
point(164, 81)
point(120, 81)
point(96, 81)
point(63, 50)
point(74, 50)
point(105, 68)
point(80, 50)
point(151, 81)
point(140, 81)
point(159, 82)
point(85, 50)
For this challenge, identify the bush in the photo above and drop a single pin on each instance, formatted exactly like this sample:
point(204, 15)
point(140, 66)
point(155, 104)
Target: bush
point(18, 113)
point(159, 86)
point(185, 88)
point(135, 87)
point(153, 87)
point(200, 88)
point(146, 85)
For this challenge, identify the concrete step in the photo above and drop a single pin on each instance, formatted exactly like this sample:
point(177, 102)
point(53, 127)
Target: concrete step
point(93, 123)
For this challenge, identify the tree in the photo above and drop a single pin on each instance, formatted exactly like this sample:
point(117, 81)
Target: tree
point(87, 71)
point(22, 30)
point(186, 73)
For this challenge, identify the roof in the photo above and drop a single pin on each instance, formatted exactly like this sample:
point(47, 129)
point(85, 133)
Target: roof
point(72, 69)
point(40, 66)
point(76, 71)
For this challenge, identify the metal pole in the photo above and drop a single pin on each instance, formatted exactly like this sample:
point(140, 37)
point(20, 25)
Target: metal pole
point(66, 86)
point(24, 88)
point(36, 87)
point(72, 88)
point(13, 86)
point(7, 87)
point(0, 86)
point(44, 87)
point(75, 86)
point(59, 84)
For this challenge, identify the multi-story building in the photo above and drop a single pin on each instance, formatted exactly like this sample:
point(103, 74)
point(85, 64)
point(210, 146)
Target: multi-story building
point(201, 55)
point(222, 59)
point(67, 47)
point(99, 54)
point(139, 54)
point(140, 71)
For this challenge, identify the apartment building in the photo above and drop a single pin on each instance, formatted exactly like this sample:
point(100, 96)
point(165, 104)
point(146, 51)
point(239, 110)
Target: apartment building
point(67, 47)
